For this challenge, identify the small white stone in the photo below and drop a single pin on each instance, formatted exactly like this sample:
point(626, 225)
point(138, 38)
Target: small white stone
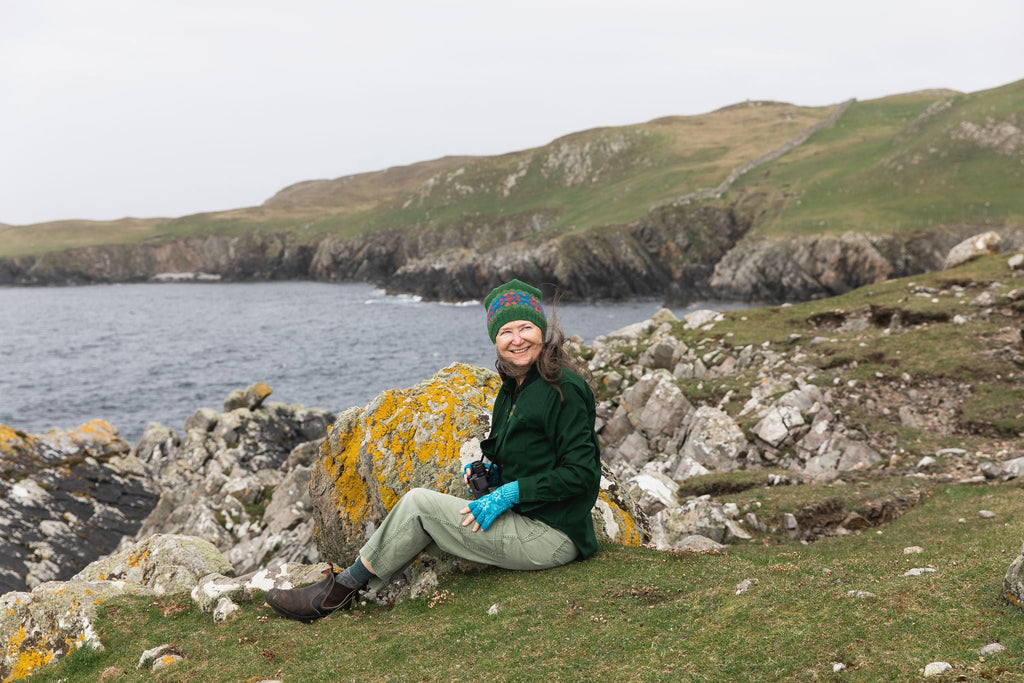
point(745, 585)
point(918, 571)
point(925, 462)
point(961, 521)
point(837, 667)
point(493, 609)
point(937, 668)
point(860, 594)
point(987, 514)
point(992, 649)
point(913, 550)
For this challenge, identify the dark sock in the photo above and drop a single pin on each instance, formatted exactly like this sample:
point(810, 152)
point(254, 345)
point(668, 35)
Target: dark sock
point(355, 576)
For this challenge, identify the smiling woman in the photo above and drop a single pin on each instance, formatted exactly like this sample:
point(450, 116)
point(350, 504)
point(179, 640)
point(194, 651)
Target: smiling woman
point(545, 473)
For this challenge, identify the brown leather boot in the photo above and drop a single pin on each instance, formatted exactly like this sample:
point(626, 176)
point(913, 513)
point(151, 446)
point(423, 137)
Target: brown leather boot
point(314, 601)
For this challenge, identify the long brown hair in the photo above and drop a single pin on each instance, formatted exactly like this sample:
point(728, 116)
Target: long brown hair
point(553, 357)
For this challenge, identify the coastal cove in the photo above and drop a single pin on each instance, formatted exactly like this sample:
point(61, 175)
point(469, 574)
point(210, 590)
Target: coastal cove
point(139, 353)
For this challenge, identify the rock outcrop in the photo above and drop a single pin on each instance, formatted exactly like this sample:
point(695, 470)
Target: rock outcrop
point(420, 437)
point(55, 618)
point(1013, 582)
point(66, 498)
point(238, 478)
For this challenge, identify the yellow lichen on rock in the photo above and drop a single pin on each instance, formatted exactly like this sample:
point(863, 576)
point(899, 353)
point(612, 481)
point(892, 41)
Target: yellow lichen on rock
point(25, 661)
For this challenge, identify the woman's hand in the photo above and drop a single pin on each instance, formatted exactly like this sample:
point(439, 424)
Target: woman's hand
point(488, 508)
point(470, 519)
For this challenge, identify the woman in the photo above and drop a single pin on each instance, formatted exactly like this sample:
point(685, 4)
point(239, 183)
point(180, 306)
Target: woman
point(546, 470)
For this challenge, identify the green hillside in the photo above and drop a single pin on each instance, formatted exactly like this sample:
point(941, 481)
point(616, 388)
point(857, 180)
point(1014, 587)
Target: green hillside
point(908, 161)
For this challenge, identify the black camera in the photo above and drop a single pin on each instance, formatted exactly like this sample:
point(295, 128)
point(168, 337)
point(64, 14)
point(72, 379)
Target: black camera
point(479, 479)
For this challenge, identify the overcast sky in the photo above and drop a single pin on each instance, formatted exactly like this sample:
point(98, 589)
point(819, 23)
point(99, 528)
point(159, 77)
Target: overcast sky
point(112, 108)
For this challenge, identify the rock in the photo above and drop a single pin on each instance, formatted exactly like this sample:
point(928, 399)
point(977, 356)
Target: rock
point(714, 440)
point(653, 491)
point(790, 524)
point(224, 610)
point(992, 649)
point(858, 456)
point(237, 480)
point(153, 654)
point(972, 248)
point(56, 618)
point(919, 571)
point(660, 355)
point(686, 468)
point(204, 419)
point(251, 397)
point(164, 564)
point(697, 544)
point(700, 318)
point(166, 661)
point(664, 409)
point(1013, 581)
point(775, 427)
point(991, 471)
point(493, 609)
point(925, 463)
point(913, 550)
point(861, 595)
point(986, 514)
point(937, 669)
point(412, 438)
point(695, 517)
point(798, 268)
point(744, 585)
point(1016, 262)
point(66, 498)
point(837, 667)
point(1013, 468)
point(855, 522)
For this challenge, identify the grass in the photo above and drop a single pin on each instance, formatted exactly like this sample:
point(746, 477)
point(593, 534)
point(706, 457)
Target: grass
point(886, 167)
point(638, 614)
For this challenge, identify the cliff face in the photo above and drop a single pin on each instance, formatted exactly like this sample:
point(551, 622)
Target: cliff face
point(676, 253)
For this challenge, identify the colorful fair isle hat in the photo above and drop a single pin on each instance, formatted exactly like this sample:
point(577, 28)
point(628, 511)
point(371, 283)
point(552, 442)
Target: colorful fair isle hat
point(514, 300)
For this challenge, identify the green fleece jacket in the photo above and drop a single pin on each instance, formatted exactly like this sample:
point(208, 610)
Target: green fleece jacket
point(549, 446)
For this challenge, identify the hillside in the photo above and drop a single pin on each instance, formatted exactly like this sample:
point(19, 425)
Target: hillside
point(652, 209)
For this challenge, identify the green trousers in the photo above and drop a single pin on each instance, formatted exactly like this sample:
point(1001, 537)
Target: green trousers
point(424, 518)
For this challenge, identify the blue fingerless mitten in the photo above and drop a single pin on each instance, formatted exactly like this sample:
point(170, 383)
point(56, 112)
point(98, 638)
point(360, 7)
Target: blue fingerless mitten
point(488, 508)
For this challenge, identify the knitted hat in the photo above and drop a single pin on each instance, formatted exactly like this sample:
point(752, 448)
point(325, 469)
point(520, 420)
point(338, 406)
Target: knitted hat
point(514, 300)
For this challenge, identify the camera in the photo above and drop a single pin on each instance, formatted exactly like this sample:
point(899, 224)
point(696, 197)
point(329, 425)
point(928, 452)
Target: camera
point(479, 479)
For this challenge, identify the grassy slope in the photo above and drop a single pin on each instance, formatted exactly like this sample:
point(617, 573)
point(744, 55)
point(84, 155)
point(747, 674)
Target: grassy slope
point(644, 615)
point(886, 166)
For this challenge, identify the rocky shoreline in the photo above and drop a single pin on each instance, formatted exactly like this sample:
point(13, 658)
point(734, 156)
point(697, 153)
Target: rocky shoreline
point(679, 254)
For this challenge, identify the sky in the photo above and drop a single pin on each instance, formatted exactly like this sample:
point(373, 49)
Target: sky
point(148, 108)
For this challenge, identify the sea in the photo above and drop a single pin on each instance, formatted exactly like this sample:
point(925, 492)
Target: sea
point(132, 354)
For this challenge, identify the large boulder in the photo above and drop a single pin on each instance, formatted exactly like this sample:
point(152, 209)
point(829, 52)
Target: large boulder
point(420, 437)
point(971, 248)
point(164, 563)
point(66, 498)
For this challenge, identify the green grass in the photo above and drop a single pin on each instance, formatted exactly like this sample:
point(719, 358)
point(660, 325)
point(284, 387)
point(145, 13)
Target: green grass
point(635, 614)
point(881, 169)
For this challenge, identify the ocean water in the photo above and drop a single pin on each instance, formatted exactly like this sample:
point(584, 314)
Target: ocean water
point(140, 353)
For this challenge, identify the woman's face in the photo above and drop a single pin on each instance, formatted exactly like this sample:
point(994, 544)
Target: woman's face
point(519, 343)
